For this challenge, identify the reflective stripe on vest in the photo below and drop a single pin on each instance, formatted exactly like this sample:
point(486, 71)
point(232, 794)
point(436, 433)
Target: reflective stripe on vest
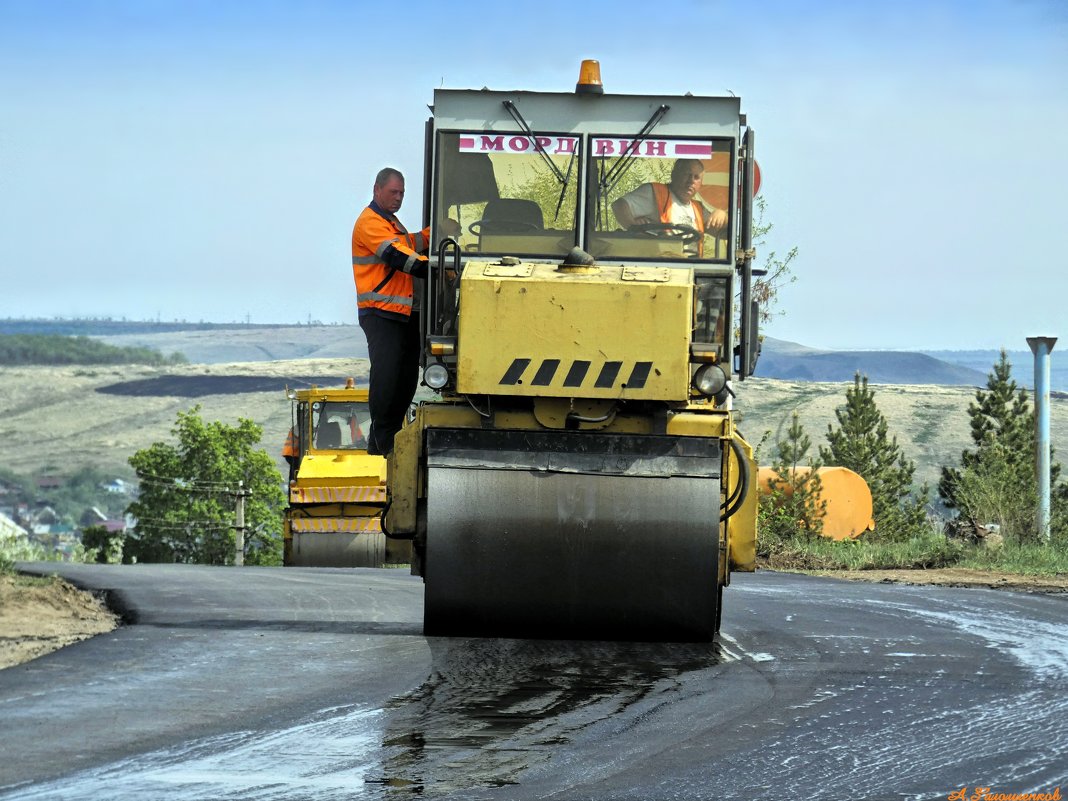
point(378, 285)
point(378, 299)
point(412, 260)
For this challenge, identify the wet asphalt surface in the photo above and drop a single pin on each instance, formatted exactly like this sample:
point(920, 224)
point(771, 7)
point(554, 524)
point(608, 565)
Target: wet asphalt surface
point(270, 683)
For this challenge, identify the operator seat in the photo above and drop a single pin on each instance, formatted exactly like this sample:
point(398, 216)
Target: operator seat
point(328, 435)
point(510, 215)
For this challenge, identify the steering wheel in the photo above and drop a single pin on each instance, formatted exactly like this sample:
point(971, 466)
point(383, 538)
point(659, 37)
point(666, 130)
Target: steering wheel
point(501, 227)
point(687, 233)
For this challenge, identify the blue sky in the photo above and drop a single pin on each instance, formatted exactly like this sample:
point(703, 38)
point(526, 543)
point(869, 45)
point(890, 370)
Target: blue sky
point(206, 160)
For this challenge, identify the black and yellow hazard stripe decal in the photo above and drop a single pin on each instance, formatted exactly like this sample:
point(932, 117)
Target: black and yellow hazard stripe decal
point(576, 374)
point(514, 374)
point(639, 374)
point(545, 373)
point(608, 375)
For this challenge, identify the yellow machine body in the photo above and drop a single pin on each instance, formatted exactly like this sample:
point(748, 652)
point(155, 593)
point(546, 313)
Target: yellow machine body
point(560, 350)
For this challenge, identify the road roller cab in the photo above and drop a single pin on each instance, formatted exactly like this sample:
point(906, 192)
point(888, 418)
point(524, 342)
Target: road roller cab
point(579, 472)
point(336, 489)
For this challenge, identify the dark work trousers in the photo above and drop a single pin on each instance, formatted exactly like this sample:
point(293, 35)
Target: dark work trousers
point(393, 347)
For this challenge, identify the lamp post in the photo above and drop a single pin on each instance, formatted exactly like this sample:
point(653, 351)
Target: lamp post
point(1041, 347)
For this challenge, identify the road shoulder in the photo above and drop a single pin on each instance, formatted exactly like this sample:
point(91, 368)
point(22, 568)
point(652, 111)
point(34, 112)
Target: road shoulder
point(952, 577)
point(41, 615)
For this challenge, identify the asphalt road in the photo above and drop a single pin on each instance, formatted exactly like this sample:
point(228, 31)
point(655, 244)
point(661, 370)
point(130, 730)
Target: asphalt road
point(260, 683)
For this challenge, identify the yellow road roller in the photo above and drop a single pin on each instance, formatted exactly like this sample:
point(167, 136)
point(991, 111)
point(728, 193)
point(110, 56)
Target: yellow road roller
point(336, 489)
point(578, 472)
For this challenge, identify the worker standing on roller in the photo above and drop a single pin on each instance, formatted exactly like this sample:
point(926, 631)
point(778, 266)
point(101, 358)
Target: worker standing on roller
point(385, 261)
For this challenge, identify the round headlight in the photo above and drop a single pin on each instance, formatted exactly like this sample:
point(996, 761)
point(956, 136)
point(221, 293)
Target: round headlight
point(436, 375)
point(709, 380)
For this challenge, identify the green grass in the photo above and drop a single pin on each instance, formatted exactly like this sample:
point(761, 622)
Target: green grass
point(12, 551)
point(930, 420)
point(777, 412)
point(20, 349)
point(1026, 560)
point(15, 579)
point(925, 552)
point(919, 553)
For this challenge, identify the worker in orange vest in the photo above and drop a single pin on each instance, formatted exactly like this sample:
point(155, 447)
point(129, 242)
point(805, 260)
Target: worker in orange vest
point(291, 452)
point(676, 203)
point(386, 260)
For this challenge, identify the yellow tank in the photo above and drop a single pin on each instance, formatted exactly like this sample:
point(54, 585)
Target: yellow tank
point(849, 510)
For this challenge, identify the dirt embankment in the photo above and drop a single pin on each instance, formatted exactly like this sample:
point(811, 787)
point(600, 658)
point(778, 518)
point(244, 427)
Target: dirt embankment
point(38, 616)
point(955, 577)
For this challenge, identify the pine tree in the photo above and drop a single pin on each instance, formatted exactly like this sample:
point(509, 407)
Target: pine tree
point(791, 505)
point(1002, 421)
point(996, 482)
point(862, 443)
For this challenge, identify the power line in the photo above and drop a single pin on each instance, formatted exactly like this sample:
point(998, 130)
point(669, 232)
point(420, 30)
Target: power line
point(187, 485)
point(170, 525)
point(179, 478)
point(191, 490)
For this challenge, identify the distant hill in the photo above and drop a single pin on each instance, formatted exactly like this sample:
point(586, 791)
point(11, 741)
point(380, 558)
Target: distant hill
point(55, 349)
point(216, 343)
point(106, 326)
point(99, 416)
point(1023, 364)
point(254, 343)
point(793, 362)
point(210, 343)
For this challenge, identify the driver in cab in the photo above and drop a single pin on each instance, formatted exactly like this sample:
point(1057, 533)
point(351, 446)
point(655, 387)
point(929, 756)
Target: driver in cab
point(674, 204)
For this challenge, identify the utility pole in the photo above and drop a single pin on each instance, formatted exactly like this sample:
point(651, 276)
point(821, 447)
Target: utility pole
point(1041, 348)
point(239, 523)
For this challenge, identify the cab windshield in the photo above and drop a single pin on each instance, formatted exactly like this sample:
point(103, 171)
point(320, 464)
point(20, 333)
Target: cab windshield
point(340, 425)
point(512, 194)
point(661, 199)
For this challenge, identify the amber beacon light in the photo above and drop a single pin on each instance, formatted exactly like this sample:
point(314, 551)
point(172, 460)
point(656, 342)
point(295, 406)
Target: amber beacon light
point(589, 82)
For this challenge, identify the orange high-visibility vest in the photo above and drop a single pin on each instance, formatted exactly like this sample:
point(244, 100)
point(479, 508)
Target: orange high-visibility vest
point(384, 258)
point(663, 202)
point(355, 431)
point(291, 446)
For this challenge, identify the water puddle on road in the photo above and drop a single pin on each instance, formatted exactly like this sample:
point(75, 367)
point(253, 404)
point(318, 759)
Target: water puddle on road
point(493, 708)
point(488, 711)
point(322, 757)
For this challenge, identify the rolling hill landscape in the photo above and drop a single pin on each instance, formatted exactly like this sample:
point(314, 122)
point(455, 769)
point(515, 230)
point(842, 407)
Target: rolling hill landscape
point(56, 419)
point(779, 358)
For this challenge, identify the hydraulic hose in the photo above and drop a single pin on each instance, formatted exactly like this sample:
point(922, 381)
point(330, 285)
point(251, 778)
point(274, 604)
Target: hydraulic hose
point(741, 491)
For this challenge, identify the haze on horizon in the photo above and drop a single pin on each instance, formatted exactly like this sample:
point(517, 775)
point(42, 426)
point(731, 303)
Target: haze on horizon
point(202, 161)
